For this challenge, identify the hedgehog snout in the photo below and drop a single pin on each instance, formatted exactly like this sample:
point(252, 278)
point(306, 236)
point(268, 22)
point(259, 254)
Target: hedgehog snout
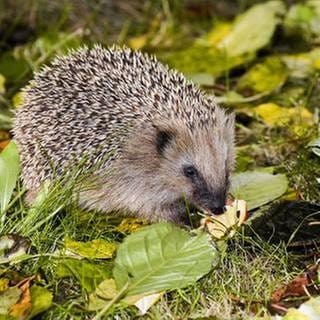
point(212, 202)
point(206, 196)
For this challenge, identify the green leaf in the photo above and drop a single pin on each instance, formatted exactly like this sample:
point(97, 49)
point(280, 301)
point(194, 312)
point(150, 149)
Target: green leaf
point(203, 60)
point(258, 188)
point(202, 79)
point(9, 172)
point(302, 65)
point(106, 290)
point(303, 19)
point(253, 29)
point(88, 274)
point(309, 310)
point(162, 257)
point(13, 68)
point(41, 300)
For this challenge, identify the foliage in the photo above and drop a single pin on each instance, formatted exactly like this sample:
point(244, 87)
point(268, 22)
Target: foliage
point(162, 257)
point(261, 59)
point(9, 171)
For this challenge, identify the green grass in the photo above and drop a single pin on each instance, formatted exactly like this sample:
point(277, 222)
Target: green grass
point(249, 271)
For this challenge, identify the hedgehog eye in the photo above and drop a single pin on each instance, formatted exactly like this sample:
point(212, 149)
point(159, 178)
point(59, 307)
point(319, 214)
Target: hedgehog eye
point(190, 171)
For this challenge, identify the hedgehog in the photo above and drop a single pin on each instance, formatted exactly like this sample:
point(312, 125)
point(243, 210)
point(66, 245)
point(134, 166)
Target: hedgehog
point(164, 145)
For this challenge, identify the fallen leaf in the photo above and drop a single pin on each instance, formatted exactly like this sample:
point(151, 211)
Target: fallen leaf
point(94, 249)
point(258, 188)
point(309, 310)
point(219, 225)
point(4, 284)
point(272, 114)
point(215, 35)
point(22, 308)
point(294, 314)
point(105, 291)
point(162, 257)
point(201, 59)
point(18, 99)
point(3, 144)
point(130, 225)
point(88, 274)
point(266, 76)
point(201, 78)
point(9, 298)
point(303, 19)
point(139, 42)
point(302, 65)
point(41, 300)
point(143, 302)
point(253, 29)
point(2, 84)
point(9, 172)
point(298, 286)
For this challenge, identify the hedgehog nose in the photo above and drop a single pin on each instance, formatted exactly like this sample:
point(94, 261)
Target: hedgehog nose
point(218, 210)
point(217, 204)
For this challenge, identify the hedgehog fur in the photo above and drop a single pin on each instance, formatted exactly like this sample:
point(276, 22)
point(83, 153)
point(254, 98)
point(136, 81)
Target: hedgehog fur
point(164, 141)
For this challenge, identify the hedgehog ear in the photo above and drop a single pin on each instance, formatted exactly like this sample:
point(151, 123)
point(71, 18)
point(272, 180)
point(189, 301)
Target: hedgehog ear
point(163, 139)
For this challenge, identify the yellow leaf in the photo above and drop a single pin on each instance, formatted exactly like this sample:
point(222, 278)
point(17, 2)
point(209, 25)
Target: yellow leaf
point(267, 76)
point(2, 84)
point(294, 314)
point(138, 42)
point(273, 114)
point(214, 36)
point(95, 249)
point(4, 284)
point(316, 64)
point(18, 99)
point(130, 225)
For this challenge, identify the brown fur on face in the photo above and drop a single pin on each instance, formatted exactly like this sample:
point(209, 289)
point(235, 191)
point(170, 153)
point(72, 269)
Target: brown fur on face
point(148, 179)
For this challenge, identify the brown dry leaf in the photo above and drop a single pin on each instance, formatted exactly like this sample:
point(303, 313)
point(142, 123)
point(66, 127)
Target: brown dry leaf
point(3, 144)
point(298, 286)
point(23, 307)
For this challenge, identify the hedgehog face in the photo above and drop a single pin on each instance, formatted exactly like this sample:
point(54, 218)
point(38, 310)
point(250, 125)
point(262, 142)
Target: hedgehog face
point(168, 164)
point(196, 163)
